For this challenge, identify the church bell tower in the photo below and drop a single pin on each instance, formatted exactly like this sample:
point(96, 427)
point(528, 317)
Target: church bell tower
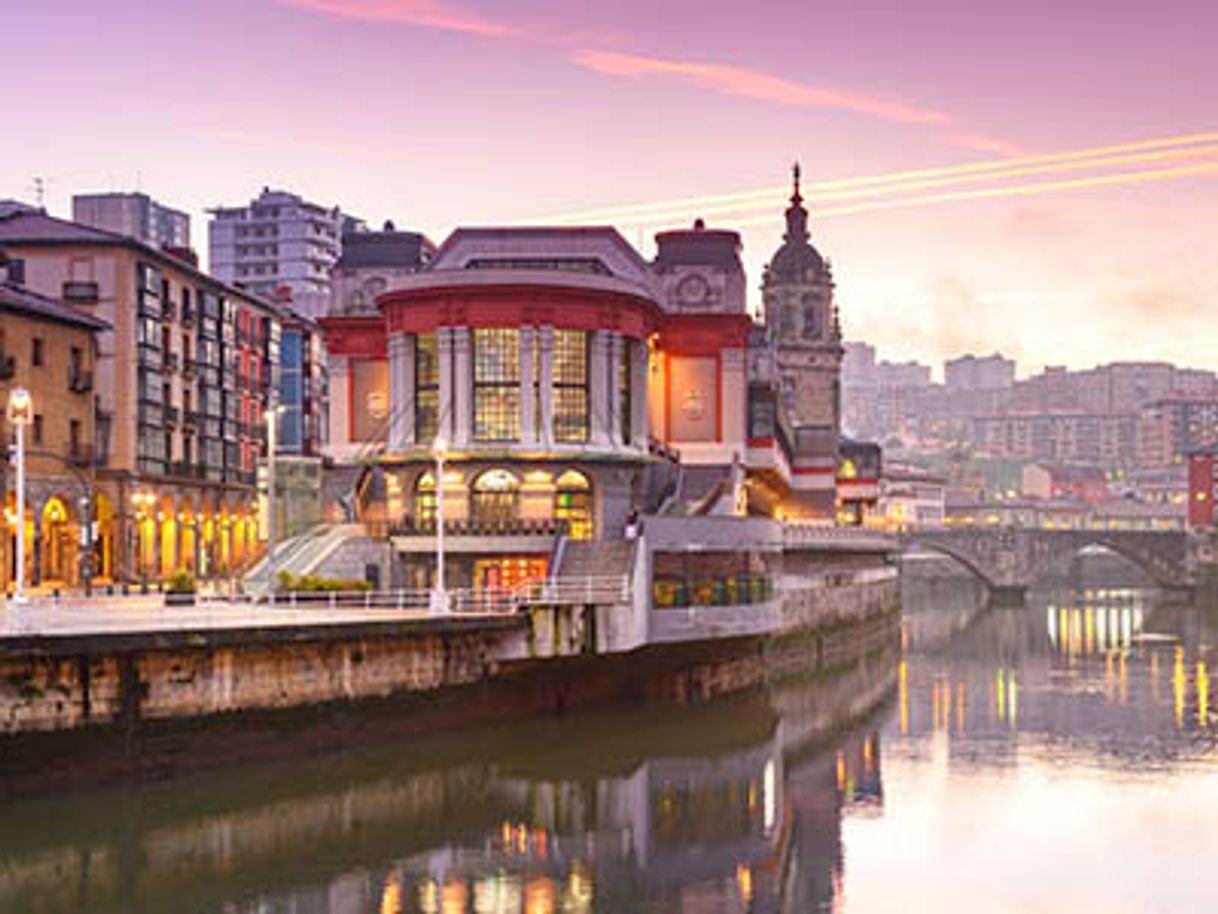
point(802, 324)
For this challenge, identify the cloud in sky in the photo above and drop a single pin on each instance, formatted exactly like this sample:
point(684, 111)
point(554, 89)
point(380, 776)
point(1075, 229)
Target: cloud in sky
point(436, 14)
point(983, 143)
point(742, 82)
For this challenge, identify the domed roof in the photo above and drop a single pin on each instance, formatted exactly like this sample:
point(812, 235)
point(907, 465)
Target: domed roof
point(796, 260)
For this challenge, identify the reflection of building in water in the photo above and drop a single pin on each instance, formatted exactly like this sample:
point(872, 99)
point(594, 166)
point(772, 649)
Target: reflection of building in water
point(1102, 667)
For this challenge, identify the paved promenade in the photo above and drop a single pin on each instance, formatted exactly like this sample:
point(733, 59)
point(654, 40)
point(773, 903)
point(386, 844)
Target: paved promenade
point(148, 614)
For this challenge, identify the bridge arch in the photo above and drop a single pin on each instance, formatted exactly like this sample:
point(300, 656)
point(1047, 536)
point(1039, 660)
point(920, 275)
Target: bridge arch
point(959, 556)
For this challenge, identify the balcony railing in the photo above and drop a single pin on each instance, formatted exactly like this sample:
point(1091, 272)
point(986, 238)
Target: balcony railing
point(189, 366)
point(190, 418)
point(169, 311)
point(172, 415)
point(188, 316)
point(171, 362)
point(80, 455)
point(79, 381)
point(505, 527)
point(80, 292)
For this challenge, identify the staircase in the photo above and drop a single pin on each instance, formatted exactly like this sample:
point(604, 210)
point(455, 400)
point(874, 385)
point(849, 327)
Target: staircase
point(301, 554)
point(604, 565)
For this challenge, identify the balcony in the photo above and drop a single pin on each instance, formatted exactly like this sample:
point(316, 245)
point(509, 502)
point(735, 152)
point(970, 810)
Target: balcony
point(189, 366)
point(190, 419)
point(169, 311)
point(188, 316)
point(80, 455)
point(80, 293)
point(8, 366)
point(185, 470)
point(172, 416)
point(79, 380)
point(171, 362)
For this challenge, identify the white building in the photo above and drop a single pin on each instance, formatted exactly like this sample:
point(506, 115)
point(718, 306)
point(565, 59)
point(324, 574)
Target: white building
point(279, 240)
point(135, 215)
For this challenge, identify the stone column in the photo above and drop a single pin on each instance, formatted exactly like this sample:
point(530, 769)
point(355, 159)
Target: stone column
point(600, 420)
point(546, 421)
point(616, 347)
point(639, 427)
point(340, 396)
point(463, 381)
point(734, 406)
point(444, 355)
point(401, 393)
point(528, 403)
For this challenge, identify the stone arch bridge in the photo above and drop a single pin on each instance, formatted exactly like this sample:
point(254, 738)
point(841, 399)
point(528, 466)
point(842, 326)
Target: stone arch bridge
point(1008, 560)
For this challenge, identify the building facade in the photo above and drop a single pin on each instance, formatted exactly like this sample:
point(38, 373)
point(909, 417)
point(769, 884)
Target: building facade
point(49, 349)
point(182, 381)
point(135, 215)
point(374, 262)
point(568, 386)
point(278, 240)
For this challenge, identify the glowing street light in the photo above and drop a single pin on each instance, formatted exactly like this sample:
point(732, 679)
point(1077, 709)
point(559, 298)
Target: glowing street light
point(20, 414)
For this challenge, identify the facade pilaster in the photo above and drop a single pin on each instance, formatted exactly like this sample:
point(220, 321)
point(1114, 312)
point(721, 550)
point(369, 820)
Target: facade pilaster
point(444, 353)
point(463, 378)
point(733, 403)
point(340, 399)
point(640, 430)
point(528, 400)
point(617, 346)
point(400, 350)
point(546, 346)
point(598, 389)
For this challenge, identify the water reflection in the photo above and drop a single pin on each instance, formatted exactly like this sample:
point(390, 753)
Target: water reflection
point(1054, 757)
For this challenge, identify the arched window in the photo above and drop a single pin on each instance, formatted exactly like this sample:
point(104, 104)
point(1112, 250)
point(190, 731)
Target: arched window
point(573, 504)
point(425, 500)
point(786, 326)
point(496, 497)
point(812, 328)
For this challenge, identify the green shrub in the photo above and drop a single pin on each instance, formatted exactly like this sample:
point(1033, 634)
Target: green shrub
point(181, 581)
point(312, 583)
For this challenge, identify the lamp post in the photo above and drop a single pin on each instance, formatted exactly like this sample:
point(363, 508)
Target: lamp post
point(272, 428)
point(143, 501)
point(20, 414)
point(439, 593)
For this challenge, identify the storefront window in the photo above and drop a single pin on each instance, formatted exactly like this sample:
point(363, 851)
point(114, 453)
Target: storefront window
point(426, 389)
point(573, 504)
point(496, 384)
point(570, 385)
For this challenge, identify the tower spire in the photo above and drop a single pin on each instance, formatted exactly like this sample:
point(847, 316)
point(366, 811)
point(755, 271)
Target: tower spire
point(797, 216)
point(796, 198)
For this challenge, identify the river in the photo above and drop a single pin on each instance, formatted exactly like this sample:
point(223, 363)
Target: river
point(1055, 757)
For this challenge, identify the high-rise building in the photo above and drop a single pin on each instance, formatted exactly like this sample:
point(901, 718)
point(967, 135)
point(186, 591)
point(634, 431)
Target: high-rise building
point(278, 240)
point(135, 215)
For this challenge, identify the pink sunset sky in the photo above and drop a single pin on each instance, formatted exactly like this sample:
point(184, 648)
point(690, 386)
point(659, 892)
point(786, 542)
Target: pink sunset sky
point(439, 113)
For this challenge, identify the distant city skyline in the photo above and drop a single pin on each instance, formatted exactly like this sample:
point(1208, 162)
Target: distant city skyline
point(1069, 220)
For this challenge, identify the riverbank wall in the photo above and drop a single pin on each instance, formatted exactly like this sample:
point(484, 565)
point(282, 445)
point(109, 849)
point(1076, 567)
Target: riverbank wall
point(84, 710)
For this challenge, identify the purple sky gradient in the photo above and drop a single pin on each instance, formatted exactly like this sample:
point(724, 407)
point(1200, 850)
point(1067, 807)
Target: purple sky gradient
point(437, 113)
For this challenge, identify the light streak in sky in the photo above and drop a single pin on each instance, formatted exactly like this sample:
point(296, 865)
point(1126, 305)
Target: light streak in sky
point(1157, 150)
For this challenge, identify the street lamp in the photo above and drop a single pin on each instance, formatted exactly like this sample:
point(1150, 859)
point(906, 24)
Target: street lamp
point(272, 429)
point(20, 414)
point(439, 593)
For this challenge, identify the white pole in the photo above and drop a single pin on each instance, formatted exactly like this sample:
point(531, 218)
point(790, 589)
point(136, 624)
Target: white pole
point(441, 591)
point(271, 444)
point(19, 592)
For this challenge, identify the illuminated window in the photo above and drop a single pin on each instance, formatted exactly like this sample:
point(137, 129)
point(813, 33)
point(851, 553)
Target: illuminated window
point(496, 384)
point(570, 385)
point(573, 504)
point(496, 497)
point(425, 501)
point(426, 388)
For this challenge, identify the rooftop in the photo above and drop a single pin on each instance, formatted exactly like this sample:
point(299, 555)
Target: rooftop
point(19, 300)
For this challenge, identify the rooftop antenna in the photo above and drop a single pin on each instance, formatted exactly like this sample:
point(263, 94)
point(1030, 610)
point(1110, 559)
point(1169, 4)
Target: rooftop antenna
point(40, 191)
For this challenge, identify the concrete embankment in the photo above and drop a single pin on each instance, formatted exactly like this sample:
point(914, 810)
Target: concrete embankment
point(93, 709)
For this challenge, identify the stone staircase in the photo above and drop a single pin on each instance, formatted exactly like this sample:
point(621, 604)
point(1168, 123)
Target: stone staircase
point(607, 560)
point(301, 554)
